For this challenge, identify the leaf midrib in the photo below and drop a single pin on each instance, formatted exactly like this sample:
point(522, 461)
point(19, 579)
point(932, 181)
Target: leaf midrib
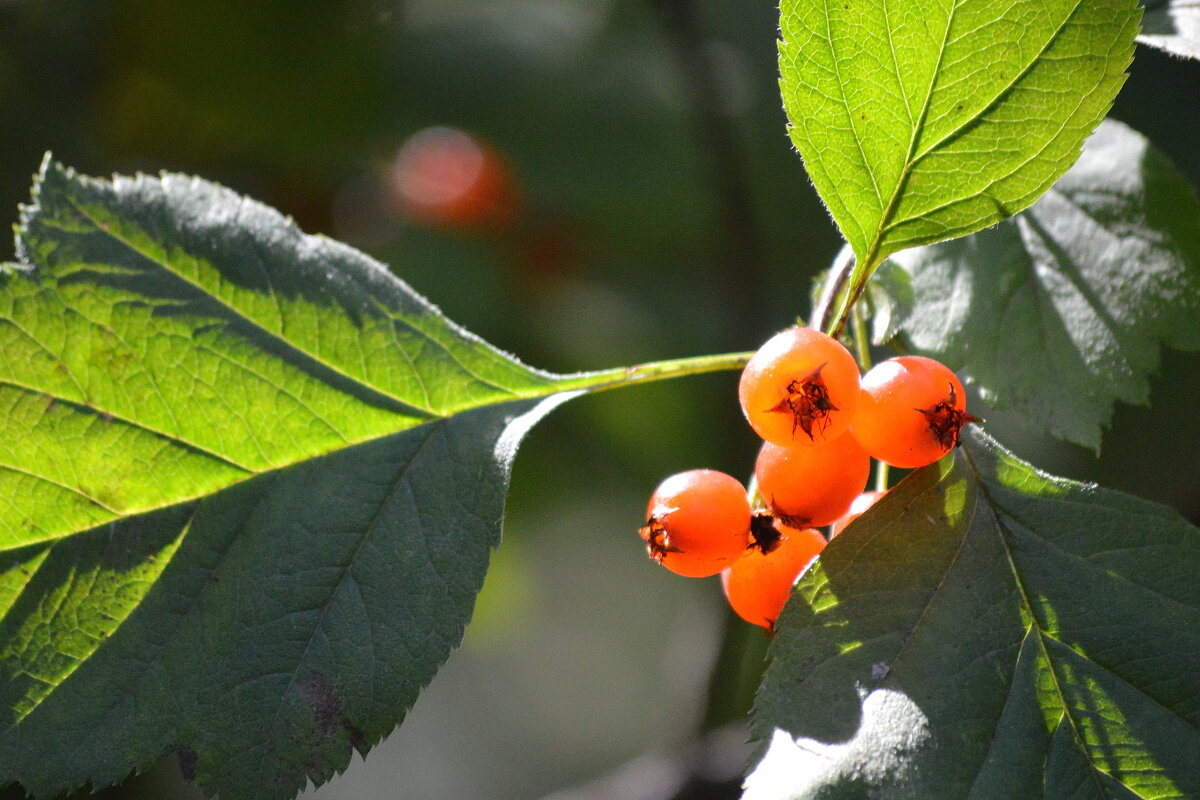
point(1036, 628)
point(117, 515)
point(181, 441)
point(912, 158)
point(837, 71)
point(1041, 635)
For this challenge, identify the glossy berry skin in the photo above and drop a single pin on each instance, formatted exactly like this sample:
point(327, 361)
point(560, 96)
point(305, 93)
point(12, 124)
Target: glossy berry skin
point(698, 522)
point(857, 507)
point(812, 485)
point(758, 585)
point(800, 388)
point(910, 411)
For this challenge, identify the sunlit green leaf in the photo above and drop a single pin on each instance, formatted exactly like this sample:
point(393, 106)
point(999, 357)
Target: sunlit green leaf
point(1060, 311)
point(988, 631)
point(249, 485)
point(172, 338)
point(923, 121)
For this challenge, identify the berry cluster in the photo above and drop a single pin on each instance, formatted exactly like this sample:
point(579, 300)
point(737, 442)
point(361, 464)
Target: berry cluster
point(823, 424)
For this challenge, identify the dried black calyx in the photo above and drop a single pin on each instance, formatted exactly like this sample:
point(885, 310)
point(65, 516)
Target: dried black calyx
point(658, 541)
point(764, 536)
point(945, 420)
point(807, 400)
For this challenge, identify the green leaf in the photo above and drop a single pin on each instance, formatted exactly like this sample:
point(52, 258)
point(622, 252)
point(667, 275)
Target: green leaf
point(250, 482)
point(1172, 25)
point(924, 121)
point(989, 631)
point(1060, 311)
point(260, 633)
point(173, 338)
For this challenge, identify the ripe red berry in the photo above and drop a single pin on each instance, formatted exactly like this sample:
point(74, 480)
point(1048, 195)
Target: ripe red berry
point(698, 522)
point(812, 485)
point(857, 507)
point(444, 176)
point(910, 411)
point(800, 388)
point(758, 585)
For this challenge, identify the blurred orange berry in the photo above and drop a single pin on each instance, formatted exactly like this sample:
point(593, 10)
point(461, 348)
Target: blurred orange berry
point(449, 178)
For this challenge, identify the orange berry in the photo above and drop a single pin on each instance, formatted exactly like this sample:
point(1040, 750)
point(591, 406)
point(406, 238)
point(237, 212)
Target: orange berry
point(812, 485)
point(857, 507)
point(698, 522)
point(447, 177)
point(800, 388)
point(758, 585)
point(910, 411)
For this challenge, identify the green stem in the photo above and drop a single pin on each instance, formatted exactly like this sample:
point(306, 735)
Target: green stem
point(881, 476)
point(847, 279)
point(855, 285)
point(654, 371)
point(861, 345)
point(835, 284)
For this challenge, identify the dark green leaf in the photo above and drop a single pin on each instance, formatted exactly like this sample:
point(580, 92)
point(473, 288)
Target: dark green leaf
point(264, 631)
point(250, 485)
point(1172, 25)
point(924, 121)
point(1060, 311)
point(988, 631)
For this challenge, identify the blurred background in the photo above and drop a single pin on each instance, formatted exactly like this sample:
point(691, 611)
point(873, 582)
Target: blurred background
point(586, 184)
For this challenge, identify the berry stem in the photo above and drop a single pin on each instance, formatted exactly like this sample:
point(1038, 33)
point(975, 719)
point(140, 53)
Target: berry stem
point(847, 278)
point(753, 496)
point(881, 476)
point(858, 281)
point(835, 283)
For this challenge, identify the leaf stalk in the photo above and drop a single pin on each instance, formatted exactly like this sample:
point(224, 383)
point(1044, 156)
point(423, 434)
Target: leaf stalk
point(655, 371)
point(847, 278)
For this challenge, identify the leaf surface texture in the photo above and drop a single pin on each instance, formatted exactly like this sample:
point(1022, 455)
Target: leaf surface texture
point(989, 631)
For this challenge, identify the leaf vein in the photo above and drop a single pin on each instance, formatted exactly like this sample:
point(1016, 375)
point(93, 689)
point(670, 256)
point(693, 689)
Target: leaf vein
point(846, 103)
point(400, 481)
point(1024, 71)
point(109, 231)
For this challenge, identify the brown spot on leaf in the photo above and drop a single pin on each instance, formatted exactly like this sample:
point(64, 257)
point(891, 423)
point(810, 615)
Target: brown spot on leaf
point(187, 762)
point(318, 692)
point(328, 713)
